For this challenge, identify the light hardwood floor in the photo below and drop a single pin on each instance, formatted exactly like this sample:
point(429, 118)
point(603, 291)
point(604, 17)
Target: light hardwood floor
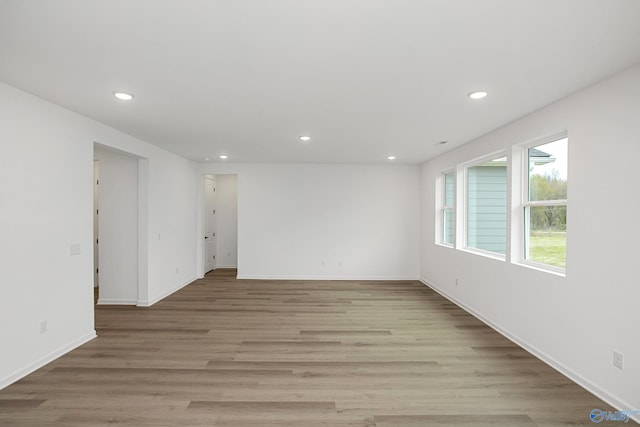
point(227, 352)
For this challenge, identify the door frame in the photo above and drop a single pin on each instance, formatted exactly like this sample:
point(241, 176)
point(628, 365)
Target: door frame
point(207, 179)
point(143, 222)
point(200, 252)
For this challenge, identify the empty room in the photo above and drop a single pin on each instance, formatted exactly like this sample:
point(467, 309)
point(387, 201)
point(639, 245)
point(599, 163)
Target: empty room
point(305, 213)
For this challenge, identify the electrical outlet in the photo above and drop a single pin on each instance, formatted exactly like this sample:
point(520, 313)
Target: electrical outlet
point(43, 326)
point(456, 281)
point(618, 359)
point(177, 270)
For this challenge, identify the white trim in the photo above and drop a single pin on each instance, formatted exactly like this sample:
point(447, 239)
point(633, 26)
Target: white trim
point(142, 266)
point(143, 228)
point(225, 266)
point(461, 188)
point(451, 169)
point(106, 301)
point(560, 202)
point(519, 213)
point(339, 278)
point(149, 303)
point(21, 373)
point(487, 254)
point(446, 245)
point(462, 213)
point(498, 154)
point(583, 382)
point(448, 208)
point(442, 207)
point(544, 139)
point(546, 268)
point(439, 213)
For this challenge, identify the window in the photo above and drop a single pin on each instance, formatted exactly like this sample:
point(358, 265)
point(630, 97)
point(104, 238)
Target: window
point(545, 203)
point(478, 211)
point(449, 208)
point(486, 205)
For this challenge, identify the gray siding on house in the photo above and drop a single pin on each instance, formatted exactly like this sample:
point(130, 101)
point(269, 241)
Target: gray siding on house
point(487, 208)
point(450, 226)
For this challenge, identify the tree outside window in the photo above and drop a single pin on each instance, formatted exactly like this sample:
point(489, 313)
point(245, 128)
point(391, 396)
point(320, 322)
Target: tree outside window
point(545, 206)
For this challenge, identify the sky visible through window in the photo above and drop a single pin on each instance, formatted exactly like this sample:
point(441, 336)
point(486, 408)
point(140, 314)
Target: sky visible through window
point(558, 150)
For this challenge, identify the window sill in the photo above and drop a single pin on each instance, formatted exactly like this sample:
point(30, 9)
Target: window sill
point(543, 268)
point(445, 245)
point(486, 254)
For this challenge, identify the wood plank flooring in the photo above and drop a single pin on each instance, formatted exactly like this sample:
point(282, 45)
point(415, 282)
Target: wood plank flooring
point(227, 352)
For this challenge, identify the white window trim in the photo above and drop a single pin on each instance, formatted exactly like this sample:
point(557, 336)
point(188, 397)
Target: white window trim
point(519, 234)
point(546, 268)
point(461, 218)
point(441, 195)
point(559, 202)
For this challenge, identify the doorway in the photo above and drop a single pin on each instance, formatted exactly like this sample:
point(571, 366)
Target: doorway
point(116, 226)
point(209, 223)
point(220, 222)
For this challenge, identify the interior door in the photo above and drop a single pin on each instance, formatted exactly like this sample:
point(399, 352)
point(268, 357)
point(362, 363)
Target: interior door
point(209, 224)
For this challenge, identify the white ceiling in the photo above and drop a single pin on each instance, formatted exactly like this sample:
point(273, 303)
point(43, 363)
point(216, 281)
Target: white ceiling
point(364, 78)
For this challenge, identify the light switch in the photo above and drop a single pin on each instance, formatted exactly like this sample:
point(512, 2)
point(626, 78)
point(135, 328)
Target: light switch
point(74, 250)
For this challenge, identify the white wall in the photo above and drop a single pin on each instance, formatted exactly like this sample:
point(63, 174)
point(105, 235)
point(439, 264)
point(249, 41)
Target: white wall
point(118, 227)
point(46, 191)
point(573, 322)
point(227, 221)
point(326, 221)
point(172, 225)
point(168, 194)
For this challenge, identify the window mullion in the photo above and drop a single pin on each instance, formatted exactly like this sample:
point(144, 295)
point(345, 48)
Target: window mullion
point(561, 202)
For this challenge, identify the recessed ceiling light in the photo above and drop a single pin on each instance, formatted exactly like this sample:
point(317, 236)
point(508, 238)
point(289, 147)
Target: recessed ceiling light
point(305, 138)
point(477, 95)
point(391, 157)
point(206, 159)
point(123, 96)
point(223, 156)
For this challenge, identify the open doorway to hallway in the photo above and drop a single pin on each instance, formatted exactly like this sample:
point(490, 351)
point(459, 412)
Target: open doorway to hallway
point(116, 223)
point(220, 222)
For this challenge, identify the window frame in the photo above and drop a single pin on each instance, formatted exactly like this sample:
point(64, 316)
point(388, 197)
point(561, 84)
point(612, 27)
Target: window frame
point(465, 211)
point(526, 204)
point(443, 208)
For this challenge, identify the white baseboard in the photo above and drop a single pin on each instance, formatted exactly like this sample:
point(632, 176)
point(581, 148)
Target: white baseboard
point(107, 301)
point(8, 380)
point(563, 369)
point(151, 301)
point(267, 277)
point(226, 266)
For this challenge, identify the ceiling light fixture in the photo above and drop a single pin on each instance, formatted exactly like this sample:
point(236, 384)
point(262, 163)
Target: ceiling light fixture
point(305, 138)
point(123, 96)
point(477, 95)
point(223, 156)
point(391, 157)
point(206, 159)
